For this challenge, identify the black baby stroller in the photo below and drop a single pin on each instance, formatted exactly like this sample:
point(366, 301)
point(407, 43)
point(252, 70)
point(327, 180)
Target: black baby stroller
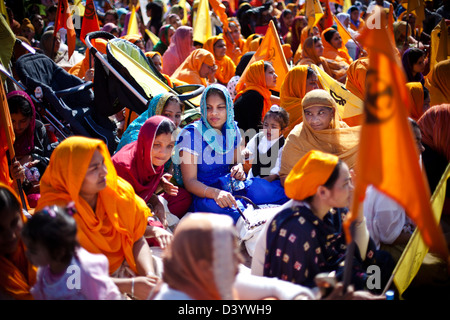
point(68, 99)
point(125, 78)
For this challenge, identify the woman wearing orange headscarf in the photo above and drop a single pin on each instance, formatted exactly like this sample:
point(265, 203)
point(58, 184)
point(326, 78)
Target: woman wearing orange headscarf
point(333, 46)
point(254, 96)
point(234, 40)
point(356, 77)
point(197, 68)
point(321, 129)
point(87, 63)
point(111, 218)
point(225, 66)
point(439, 83)
point(312, 51)
point(298, 81)
point(17, 274)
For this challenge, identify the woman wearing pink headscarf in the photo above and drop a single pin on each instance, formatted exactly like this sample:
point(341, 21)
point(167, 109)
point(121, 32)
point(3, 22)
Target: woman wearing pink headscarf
point(181, 45)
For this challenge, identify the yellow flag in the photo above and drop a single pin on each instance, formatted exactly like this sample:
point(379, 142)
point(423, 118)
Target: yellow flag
point(202, 23)
point(133, 27)
point(313, 11)
point(343, 32)
point(347, 5)
point(270, 50)
point(3, 11)
point(439, 45)
point(152, 36)
point(349, 105)
point(412, 257)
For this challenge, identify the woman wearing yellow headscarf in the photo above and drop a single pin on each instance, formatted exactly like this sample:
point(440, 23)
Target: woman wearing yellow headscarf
point(197, 68)
point(439, 83)
point(253, 97)
point(333, 46)
point(17, 274)
point(321, 129)
point(417, 95)
point(111, 218)
point(298, 81)
point(225, 66)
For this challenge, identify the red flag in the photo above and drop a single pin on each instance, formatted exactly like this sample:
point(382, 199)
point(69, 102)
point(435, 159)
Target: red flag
point(90, 20)
point(388, 158)
point(64, 20)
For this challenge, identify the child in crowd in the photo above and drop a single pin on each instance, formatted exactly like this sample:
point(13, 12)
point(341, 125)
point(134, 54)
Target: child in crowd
point(66, 271)
point(265, 148)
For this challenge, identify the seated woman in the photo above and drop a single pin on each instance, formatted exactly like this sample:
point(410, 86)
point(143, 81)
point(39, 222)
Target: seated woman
point(420, 97)
point(141, 163)
point(413, 61)
point(165, 34)
point(356, 77)
point(203, 263)
point(306, 236)
point(32, 145)
point(181, 46)
point(225, 66)
point(17, 274)
point(294, 35)
point(85, 68)
point(298, 81)
point(111, 218)
point(209, 153)
point(254, 96)
point(198, 67)
point(333, 47)
point(234, 40)
point(312, 51)
point(321, 130)
point(439, 83)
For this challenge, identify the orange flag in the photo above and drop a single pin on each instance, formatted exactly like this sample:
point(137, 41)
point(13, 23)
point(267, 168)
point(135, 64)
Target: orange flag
point(64, 20)
point(219, 9)
point(90, 20)
point(6, 138)
point(269, 50)
point(388, 157)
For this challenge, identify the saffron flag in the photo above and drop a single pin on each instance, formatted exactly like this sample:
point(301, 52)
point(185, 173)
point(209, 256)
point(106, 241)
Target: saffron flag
point(219, 9)
point(202, 23)
point(90, 20)
point(314, 12)
point(7, 138)
point(269, 50)
point(133, 27)
point(440, 46)
point(388, 157)
point(339, 2)
point(412, 257)
point(152, 36)
point(64, 20)
point(343, 32)
point(350, 107)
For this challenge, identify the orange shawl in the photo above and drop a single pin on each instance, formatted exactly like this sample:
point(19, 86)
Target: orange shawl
point(81, 67)
point(330, 52)
point(120, 217)
point(439, 83)
point(415, 90)
point(291, 95)
point(255, 79)
point(17, 275)
point(225, 66)
point(356, 77)
point(188, 71)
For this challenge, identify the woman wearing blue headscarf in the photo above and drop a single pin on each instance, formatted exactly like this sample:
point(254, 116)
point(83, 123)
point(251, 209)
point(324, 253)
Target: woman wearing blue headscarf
point(208, 151)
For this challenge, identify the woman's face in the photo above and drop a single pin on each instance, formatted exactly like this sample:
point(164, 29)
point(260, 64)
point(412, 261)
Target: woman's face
point(95, 178)
point(354, 15)
point(162, 149)
point(207, 70)
point(342, 191)
point(336, 41)
point(175, 21)
point(419, 66)
point(288, 19)
point(235, 32)
point(20, 123)
point(11, 225)
point(220, 49)
point(318, 48)
point(157, 62)
point(319, 117)
point(172, 110)
point(312, 82)
point(216, 111)
point(271, 77)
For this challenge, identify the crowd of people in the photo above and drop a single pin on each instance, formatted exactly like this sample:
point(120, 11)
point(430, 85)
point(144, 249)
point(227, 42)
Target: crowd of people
point(157, 218)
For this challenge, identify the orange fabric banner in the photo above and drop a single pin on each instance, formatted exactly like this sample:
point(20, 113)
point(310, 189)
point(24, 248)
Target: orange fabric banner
point(64, 20)
point(219, 9)
point(388, 157)
point(90, 20)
